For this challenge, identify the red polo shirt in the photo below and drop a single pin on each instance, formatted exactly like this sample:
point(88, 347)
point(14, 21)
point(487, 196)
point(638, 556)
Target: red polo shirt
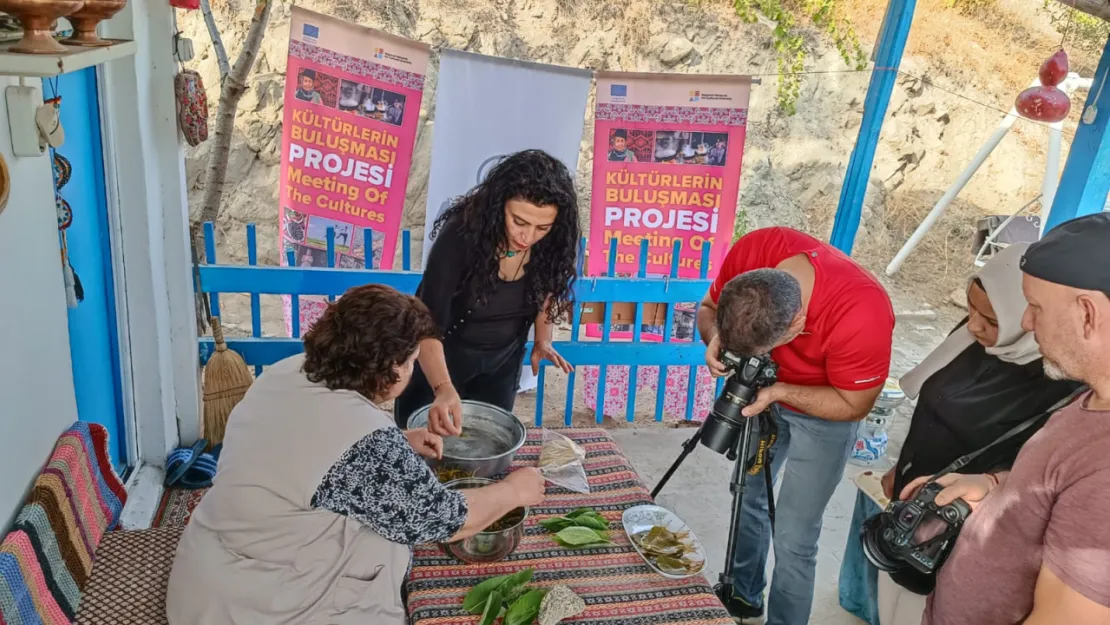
point(846, 342)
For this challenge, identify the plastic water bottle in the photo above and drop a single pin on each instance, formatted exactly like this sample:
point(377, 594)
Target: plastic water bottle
point(872, 438)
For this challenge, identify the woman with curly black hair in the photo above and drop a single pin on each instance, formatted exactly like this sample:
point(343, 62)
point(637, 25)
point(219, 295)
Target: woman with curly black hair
point(319, 496)
point(503, 259)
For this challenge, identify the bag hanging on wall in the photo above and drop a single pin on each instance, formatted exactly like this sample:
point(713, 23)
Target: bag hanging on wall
point(192, 106)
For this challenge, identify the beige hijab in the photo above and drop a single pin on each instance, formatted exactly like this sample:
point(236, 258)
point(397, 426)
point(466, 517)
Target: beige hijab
point(1001, 279)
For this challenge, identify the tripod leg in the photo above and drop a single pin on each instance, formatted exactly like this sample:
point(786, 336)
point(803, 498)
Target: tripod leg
point(687, 448)
point(739, 478)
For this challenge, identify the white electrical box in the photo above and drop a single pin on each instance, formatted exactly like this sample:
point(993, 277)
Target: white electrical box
point(22, 102)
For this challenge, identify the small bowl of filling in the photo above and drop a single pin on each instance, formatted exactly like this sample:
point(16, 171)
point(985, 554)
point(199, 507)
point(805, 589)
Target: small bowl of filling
point(497, 541)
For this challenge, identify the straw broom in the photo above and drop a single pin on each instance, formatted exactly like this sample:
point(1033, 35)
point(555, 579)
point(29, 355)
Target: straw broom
point(226, 380)
point(226, 375)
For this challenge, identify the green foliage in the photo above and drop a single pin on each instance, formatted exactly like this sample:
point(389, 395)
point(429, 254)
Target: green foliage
point(1083, 31)
point(789, 44)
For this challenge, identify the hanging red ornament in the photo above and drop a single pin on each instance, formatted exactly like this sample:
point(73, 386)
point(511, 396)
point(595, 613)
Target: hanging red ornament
point(1055, 69)
point(1043, 104)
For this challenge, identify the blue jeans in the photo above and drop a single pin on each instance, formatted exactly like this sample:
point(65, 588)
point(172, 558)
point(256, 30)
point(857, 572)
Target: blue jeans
point(814, 452)
point(859, 579)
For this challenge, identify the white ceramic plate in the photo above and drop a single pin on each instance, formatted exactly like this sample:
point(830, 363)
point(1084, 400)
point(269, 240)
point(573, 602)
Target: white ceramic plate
point(642, 518)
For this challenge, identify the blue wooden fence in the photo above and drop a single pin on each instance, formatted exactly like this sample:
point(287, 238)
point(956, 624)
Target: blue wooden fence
point(259, 350)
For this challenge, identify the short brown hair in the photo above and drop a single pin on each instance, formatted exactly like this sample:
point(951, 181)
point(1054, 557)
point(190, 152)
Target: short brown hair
point(362, 336)
point(755, 310)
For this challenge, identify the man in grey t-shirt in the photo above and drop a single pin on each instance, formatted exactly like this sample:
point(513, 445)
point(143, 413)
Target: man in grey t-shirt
point(1036, 548)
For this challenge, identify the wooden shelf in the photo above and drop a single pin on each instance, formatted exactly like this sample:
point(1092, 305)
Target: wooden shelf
point(47, 65)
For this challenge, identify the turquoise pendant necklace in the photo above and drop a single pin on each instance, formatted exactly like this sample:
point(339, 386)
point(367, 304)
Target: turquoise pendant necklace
point(510, 253)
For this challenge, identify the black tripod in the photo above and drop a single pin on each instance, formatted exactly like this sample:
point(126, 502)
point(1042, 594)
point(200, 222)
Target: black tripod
point(740, 471)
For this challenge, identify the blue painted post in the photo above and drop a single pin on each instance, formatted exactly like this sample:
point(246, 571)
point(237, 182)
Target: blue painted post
point(331, 254)
point(294, 300)
point(606, 330)
point(692, 383)
point(1085, 182)
point(256, 305)
point(888, 56)
point(367, 249)
point(210, 258)
point(406, 250)
point(575, 323)
point(634, 371)
point(668, 325)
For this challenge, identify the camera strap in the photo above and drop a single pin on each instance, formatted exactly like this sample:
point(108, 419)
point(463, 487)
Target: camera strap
point(963, 461)
point(761, 461)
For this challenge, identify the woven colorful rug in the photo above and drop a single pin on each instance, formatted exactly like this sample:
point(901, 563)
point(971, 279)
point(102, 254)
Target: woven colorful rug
point(177, 506)
point(616, 584)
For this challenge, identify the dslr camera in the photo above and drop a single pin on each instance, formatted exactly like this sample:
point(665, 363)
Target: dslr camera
point(725, 424)
point(916, 533)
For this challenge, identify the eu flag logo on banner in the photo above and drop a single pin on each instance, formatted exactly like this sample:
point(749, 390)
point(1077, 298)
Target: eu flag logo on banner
point(311, 31)
point(618, 91)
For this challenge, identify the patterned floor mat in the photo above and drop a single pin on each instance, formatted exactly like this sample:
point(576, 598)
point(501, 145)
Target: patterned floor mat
point(177, 506)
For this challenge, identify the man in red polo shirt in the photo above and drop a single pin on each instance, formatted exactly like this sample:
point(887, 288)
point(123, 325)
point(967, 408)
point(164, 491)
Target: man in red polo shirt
point(828, 324)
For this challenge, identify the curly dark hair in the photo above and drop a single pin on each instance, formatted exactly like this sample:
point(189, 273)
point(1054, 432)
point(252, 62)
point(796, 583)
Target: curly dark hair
point(362, 336)
point(532, 176)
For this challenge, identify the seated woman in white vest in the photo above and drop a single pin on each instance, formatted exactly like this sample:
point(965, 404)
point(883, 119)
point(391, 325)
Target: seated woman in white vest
point(319, 496)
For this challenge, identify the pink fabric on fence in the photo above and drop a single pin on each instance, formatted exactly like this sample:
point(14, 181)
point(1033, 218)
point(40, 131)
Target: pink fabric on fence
point(674, 401)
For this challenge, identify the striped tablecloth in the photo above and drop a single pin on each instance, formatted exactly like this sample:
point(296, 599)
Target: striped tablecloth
point(616, 584)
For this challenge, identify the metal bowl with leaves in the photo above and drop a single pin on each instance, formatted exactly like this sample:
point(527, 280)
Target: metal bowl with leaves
point(489, 441)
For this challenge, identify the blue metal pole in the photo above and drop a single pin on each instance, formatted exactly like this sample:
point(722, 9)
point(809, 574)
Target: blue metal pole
point(888, 56)
point(1085, 182)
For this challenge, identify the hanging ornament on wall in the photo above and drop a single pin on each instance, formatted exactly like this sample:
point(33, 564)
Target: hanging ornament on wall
point(63, 171)
point(192, 106)
point(1046, 102)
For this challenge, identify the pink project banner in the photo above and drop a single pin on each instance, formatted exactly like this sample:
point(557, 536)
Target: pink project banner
point(667, 158)
point(352, 107)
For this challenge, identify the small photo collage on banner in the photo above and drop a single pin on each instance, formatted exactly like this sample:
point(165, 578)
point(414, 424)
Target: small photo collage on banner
point(317, 87)
point(670, 147)
point(307, 236)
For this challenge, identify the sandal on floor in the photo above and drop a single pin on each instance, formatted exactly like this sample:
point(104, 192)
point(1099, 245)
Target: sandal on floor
point(188, 468)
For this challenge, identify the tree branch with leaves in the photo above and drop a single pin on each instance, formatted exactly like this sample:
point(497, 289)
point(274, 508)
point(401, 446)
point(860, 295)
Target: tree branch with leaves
point(233, 86)
point(790, 46)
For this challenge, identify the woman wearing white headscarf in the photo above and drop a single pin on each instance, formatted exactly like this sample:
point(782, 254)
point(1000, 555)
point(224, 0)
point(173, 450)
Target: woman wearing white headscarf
point(983, 380)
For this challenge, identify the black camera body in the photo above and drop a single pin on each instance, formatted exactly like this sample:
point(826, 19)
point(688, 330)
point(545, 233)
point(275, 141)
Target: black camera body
point(725, 424)
point(917, 532)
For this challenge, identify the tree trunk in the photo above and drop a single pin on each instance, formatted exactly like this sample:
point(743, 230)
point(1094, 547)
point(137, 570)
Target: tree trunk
point(217, 40)
point(231, 91)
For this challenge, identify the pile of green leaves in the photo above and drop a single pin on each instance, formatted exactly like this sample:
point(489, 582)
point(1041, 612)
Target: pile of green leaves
point(505, 596)
point(582, 528)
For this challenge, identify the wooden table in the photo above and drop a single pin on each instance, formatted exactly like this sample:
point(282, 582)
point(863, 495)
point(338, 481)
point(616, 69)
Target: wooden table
point(616, 584)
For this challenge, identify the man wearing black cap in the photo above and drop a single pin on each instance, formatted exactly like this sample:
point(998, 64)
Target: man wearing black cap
point(1036, 548)
point(306, 90)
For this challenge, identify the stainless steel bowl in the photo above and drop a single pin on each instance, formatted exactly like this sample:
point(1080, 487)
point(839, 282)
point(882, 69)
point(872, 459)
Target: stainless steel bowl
point(489, 441)
point(485, 546)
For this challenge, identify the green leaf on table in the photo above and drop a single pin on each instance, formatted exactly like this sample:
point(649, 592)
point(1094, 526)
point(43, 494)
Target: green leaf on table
point(475, 600)
point(525, 609)
point(592, 521)
point(514, 584)
point(557, 523)
point(492, 609)
point(580, 537)
point(580, 511)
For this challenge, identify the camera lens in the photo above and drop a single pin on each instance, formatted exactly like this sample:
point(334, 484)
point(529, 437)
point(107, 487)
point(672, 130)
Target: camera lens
point(875, 537)
point(725, 423)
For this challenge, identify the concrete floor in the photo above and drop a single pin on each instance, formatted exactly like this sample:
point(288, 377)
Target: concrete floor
point(704, 476)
